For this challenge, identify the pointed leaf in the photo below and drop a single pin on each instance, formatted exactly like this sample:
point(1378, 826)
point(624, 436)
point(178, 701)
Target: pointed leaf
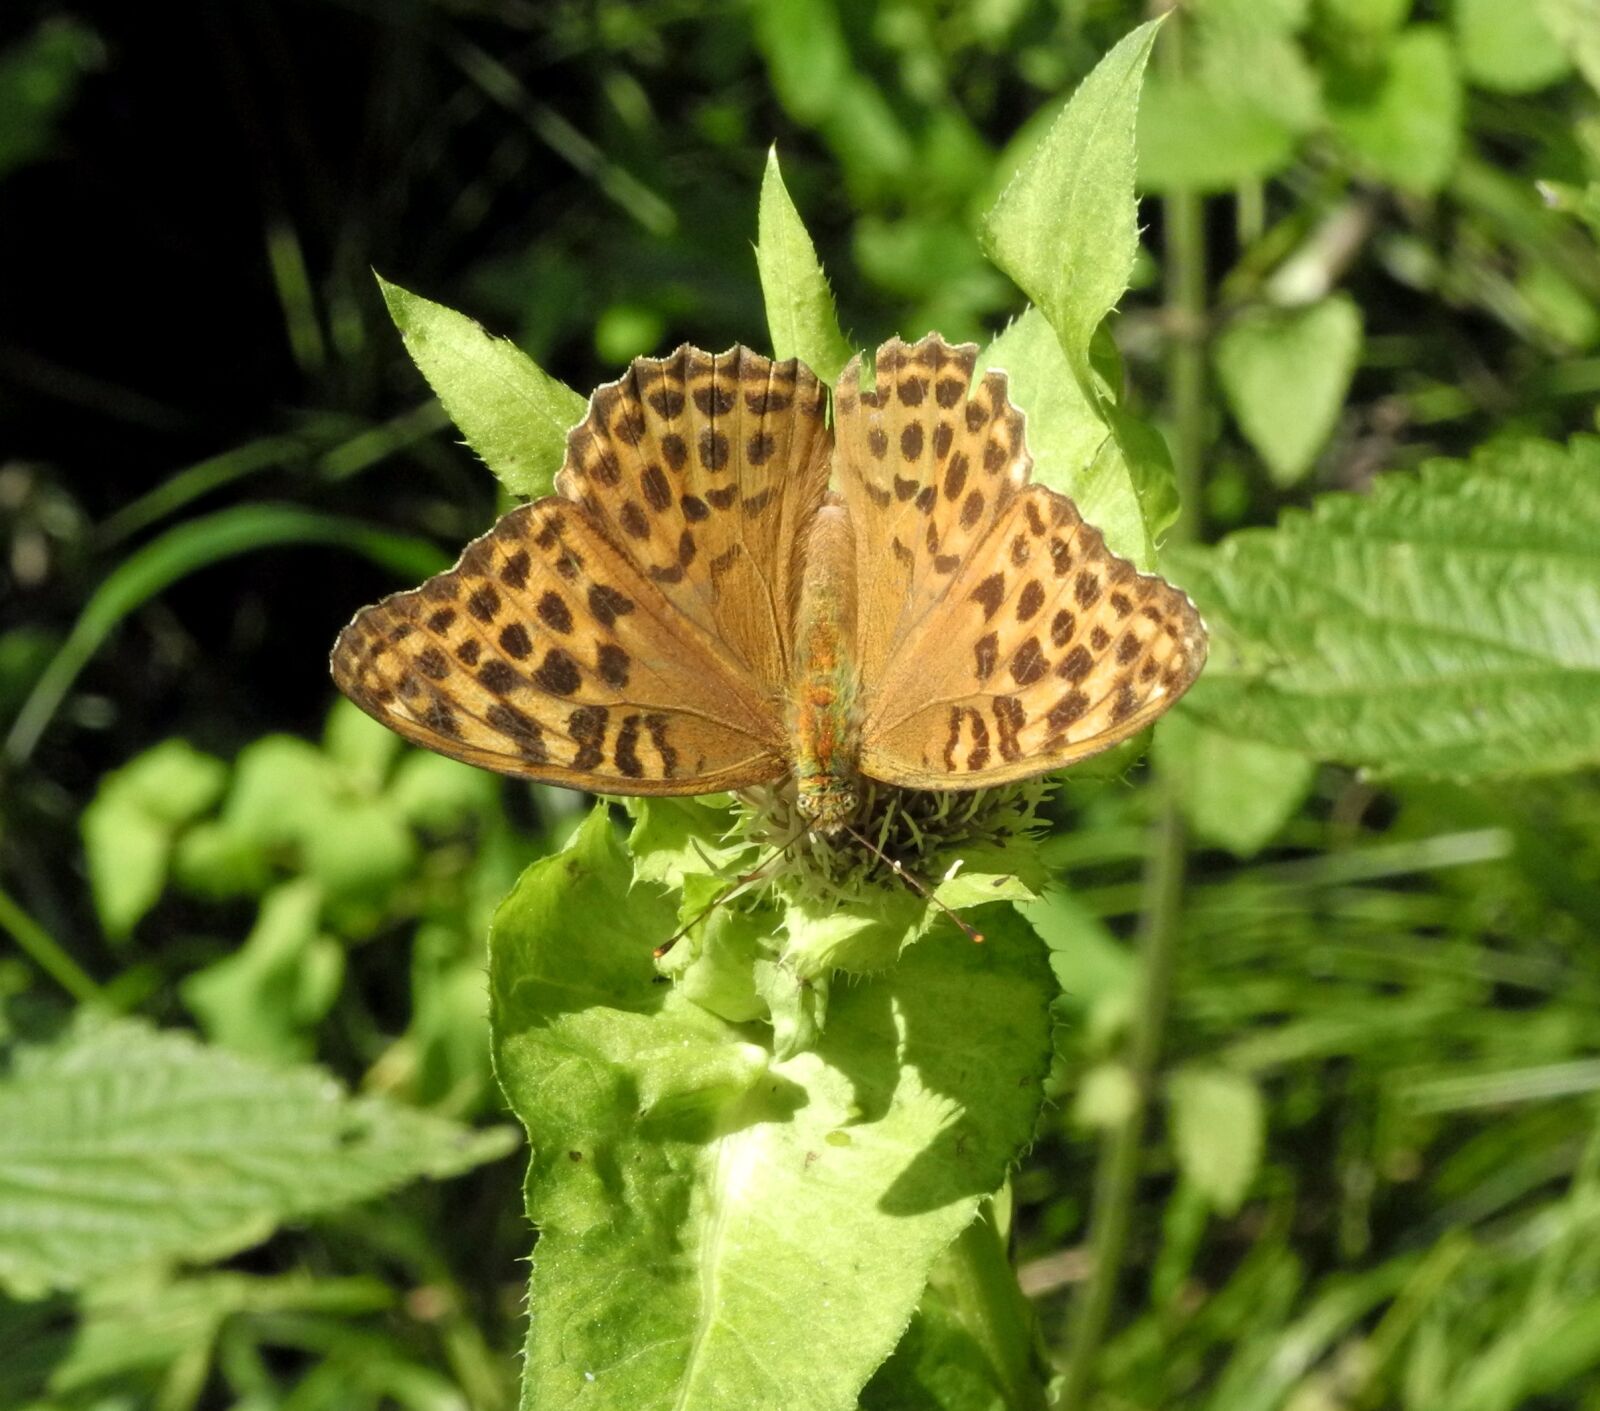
point(513, 413)
point(800, 312)
point(1066, 227)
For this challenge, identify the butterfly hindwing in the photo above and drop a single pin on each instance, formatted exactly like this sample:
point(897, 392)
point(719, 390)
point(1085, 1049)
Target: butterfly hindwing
point(1010, 641)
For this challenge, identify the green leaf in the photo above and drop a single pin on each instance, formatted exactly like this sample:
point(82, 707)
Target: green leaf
point(1218, 1129)
point(1365, 19)
point(129, 827)
point(1238, 115)
point(1445, 624)
point(125, 1145)
point(264, 998)
point(1285, 373)
point(1193, 138)
point(281, 785)
point(807, 55)
point(1236, 794)
point(39, 78)
point(513, 413)
point(1073, 449)
point(800, 311)
point(1507, 48)
point(692, 1192)
point(1066, 227)
point(1401, 120)
point(1065, 230)
point(1576, 24)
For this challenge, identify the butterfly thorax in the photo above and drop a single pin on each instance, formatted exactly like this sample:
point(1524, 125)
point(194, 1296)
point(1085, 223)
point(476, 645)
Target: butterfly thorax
point(825, 727)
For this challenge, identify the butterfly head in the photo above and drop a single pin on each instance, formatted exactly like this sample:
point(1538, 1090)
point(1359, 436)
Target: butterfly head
point(829, 802)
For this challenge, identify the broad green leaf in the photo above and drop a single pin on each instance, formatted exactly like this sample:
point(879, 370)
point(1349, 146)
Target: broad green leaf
point(1285, 373)
point(281, 784)
point(439, 794)
point(1401, 120)
point(264, 998)
point(1218, 1124)
point(125, 1145)
point(1445, 624)
point(1072, 446)
point(513, 413)
point(366, 749)
point(1507, 48)
point(1237, 115)
point(1195, 138)
point(1576, 24)
point(129, 827)
point(1066, 227)
point(692, 1192)
point(1367, 19)
point(1236, 794)
point(800, 311)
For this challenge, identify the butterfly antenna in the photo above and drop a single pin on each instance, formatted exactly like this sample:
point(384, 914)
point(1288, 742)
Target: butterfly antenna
point(724, 895)
point(916, 885)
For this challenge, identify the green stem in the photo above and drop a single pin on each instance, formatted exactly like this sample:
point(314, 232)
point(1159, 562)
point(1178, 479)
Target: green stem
point(1117, 1172)
point(45, 952)
point(982, 1288)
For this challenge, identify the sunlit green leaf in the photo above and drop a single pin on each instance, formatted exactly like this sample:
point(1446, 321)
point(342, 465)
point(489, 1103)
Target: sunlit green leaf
point(1235, 793)
point(1218, 1128)
point(1401, 118)
point(264, 998)
point(125, 1145)
point(1072, 447)
point(513, 413)
point(1507, 48)
point(1285, 373)
point(1447, 623)
point(129, 827)
point(1238, 112)
point(692, 1191)
point(1576, 25)
point(800, 312)
point(1065, 228)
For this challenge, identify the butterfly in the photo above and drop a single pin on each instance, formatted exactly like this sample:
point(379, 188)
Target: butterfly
point(696, 610)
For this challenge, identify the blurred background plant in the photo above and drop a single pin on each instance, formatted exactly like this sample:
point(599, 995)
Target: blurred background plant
point(1373, 1174)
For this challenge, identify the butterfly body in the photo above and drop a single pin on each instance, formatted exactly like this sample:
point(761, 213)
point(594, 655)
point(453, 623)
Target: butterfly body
point(695, 611)
point(825, 727)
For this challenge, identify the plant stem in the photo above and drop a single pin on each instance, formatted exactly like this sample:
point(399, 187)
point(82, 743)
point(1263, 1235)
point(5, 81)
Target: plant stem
point(44, 950)
point(1117, 1172)
point(982, 1288)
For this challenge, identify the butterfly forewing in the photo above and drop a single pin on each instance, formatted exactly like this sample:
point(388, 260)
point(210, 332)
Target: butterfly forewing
point(1013, 641)
point(708, 471)
point(633, 633)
